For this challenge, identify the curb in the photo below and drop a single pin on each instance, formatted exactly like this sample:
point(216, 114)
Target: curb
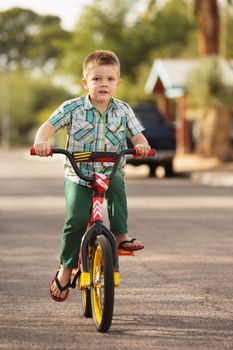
point(213, 178)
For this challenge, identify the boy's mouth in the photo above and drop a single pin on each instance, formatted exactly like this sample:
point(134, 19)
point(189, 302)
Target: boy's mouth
point(103, 91)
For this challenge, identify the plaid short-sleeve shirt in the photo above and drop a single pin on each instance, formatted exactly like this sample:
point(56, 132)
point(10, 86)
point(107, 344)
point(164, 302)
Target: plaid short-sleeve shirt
point(89, 130)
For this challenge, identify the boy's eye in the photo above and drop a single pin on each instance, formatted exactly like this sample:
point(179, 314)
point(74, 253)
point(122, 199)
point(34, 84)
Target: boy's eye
point(111, 79)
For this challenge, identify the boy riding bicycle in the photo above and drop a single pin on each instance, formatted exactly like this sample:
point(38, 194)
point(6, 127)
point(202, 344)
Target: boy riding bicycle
point(96, 122)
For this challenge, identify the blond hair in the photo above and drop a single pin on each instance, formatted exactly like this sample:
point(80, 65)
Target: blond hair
point(100, 57)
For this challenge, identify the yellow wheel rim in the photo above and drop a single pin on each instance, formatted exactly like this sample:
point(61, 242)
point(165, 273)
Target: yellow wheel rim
point(97, 284)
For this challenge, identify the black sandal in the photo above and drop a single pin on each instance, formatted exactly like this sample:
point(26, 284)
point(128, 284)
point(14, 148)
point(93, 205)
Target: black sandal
point(66, 287)
point(132, 247)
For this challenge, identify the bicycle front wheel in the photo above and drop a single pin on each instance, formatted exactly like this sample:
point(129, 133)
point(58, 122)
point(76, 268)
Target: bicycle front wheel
point(102, 286)
point(86, 302)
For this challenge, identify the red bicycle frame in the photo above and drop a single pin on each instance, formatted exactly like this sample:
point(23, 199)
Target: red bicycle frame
point(99, 183)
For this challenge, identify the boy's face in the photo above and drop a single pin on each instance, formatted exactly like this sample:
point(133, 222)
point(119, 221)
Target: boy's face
point(101, 82)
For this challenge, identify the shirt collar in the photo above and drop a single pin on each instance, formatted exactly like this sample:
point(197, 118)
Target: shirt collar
point(88, 105)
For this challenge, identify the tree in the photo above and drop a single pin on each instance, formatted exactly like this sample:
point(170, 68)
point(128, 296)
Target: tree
point(29, 98)
point(116, 25)
point(173, 31)
point(29, 40)
point(207, 12)
point(102, 25)
point(214, 122)
point(210, 26)
point(228, 45)
point(212, 99)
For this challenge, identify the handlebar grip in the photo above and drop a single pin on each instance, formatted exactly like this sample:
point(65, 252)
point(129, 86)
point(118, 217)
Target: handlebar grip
point(151, 153)
point(33, 152)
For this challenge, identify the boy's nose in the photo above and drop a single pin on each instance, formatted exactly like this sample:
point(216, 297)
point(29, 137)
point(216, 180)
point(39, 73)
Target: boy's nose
point(103, 83)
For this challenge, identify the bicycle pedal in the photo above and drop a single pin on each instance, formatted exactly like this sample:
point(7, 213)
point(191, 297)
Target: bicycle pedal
point(125, 252)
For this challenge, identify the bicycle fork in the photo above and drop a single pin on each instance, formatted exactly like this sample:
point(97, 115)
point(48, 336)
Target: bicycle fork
point(95, 228)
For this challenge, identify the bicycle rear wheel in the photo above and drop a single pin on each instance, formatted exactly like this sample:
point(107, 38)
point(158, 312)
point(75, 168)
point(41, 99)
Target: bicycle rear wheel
point(102, 286)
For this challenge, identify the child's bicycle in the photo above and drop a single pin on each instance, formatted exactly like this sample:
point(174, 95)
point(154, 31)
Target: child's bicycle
point(98, 266)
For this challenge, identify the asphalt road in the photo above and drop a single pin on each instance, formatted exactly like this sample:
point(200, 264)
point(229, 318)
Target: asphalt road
point(176, 294)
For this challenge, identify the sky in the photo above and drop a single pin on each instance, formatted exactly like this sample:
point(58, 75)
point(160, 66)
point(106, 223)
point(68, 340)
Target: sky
point(67, 10)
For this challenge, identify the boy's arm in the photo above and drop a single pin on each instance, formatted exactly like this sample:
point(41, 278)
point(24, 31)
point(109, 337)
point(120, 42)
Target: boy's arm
point(141, 143)
point(41, 144)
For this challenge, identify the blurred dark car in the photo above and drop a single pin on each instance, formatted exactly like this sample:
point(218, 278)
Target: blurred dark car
point(160, 135)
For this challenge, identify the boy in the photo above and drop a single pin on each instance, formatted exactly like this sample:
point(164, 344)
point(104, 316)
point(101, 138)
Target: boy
point(96, 122)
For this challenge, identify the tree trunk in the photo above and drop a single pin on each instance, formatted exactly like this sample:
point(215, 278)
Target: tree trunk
point(214, 135)
point(209, 27)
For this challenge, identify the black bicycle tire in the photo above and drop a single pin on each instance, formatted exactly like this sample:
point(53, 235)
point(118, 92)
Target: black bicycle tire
point(108, 288)
point(86, 303)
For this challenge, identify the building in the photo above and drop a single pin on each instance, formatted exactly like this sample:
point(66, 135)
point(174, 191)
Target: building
point(168, 82)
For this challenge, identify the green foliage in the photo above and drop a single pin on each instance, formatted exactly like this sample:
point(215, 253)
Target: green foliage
point(211, 101)
point(101, 26)
point(206, 86)
point(19, 104)
point(27, 101)
point(229, 37)
point(172, 30)
point(48, 43)
point(113, 24)
point(133, 92)
point(16, 25)
point(46, 95)
point(30, 40)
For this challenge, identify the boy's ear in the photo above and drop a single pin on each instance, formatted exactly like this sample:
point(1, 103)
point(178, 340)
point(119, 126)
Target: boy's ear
point(84, 83)
point(119, 82)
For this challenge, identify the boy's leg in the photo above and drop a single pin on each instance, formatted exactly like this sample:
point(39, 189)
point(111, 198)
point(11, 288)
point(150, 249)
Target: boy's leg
point(78, 205)
point(117, 205)
point(118, 213)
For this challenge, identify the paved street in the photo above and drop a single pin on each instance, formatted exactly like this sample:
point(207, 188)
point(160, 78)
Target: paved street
point(177, 294)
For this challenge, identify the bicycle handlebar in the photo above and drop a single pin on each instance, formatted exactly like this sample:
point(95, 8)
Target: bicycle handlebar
point(79, 157)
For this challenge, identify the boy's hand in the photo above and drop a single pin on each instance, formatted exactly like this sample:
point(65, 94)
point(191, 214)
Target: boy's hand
point(142, 149)
point(42, 148)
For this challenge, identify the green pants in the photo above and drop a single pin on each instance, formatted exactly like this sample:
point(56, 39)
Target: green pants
point(78, 204)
